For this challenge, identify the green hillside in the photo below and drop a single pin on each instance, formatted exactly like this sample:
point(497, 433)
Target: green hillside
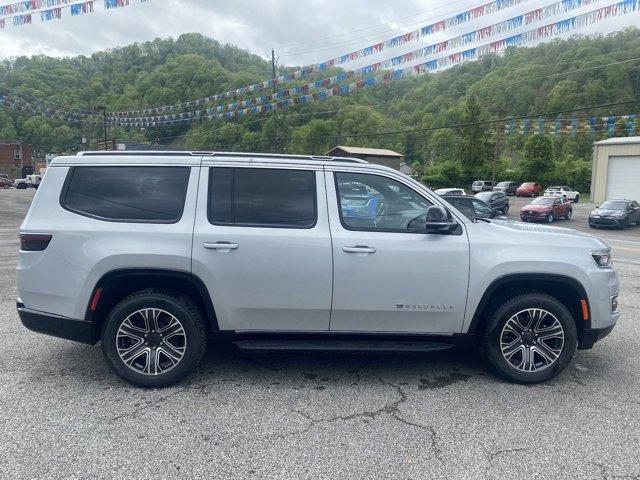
point(522, 82)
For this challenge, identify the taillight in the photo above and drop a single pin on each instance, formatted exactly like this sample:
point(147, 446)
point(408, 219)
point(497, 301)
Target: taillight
point(34, 242)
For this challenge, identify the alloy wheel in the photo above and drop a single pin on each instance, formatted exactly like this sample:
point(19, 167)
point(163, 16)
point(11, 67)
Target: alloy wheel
point(151, 341)
point(532, 340)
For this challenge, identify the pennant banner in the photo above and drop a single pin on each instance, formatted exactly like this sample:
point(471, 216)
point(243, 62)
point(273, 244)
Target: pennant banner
point(18, 19)
point(612, 126)
point(447, 23)
point(531, 36)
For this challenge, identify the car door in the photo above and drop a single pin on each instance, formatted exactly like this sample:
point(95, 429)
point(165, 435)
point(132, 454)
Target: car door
point(389, 275)
point(262, 246)
point(559, 207)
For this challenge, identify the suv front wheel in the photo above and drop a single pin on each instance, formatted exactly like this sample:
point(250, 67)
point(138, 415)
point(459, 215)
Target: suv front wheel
point(530, 338)
point(154, 338)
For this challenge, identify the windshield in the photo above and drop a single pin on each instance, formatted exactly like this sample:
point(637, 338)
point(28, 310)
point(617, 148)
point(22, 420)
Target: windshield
point(478, 183)
point(504, 184)
point(485, 196)
point(544, 201)
point(614, 206)
point(527, 184)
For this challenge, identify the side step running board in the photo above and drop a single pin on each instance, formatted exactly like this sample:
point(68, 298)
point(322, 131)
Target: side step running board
point(343, 345)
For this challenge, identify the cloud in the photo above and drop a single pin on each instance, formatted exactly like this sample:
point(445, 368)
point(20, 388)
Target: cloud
point(302, 32)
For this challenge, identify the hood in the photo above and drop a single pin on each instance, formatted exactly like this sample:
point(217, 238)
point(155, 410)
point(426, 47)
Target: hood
point(559, 233)
point(537, 208)
point(605, 213)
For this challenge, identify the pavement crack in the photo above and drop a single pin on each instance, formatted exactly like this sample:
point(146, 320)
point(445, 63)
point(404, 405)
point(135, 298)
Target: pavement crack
point(146, 404)
point(392, 409)
point(493, 455)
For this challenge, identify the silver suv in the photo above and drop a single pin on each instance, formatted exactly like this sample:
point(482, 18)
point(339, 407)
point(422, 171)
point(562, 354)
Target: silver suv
point(152, 253)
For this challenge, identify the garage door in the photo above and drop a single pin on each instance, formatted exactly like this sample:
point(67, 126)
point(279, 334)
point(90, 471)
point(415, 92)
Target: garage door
point(623, 178)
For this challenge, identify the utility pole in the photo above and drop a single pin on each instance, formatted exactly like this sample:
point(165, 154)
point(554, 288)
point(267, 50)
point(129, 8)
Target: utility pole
point(103, 108)
point(157, 136)
point(498, 111)
point(275, 110)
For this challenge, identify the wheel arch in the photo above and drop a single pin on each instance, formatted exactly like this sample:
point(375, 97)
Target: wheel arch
point(117, 284)
point(567, 290)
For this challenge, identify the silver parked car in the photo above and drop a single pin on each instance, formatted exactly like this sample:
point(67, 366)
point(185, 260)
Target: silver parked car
point(153, 252)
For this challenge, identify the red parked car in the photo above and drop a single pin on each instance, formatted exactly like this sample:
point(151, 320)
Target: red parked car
point(529, 189)
point(546, 209)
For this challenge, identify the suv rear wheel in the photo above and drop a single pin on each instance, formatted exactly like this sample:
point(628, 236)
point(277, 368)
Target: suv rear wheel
point(154, 338)
point(530, 338)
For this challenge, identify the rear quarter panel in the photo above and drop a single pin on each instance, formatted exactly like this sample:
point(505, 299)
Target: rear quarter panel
point(61, 278)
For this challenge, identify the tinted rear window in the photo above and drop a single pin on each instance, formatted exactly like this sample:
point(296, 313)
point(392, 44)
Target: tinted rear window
point(262, 197)
point(127, 194)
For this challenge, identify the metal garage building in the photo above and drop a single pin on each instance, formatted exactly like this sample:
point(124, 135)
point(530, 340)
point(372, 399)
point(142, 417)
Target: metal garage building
point(615, 171)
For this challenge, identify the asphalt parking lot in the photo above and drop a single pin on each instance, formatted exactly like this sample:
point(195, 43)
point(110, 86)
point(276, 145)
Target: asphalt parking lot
point(63, 414)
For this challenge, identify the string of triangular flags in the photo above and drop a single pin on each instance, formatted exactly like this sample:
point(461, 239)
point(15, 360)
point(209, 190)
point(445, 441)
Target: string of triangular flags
point(424, 31)
point(38, 107)
point(612, 125)
point(484, 33)
point(476, 53)
point(14, 13)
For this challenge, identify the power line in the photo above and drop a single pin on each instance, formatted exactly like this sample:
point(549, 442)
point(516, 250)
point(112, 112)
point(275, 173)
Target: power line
point(462, 125)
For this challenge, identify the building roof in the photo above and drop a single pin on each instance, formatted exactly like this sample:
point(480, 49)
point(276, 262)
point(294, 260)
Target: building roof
point(618, 141)
point(373, 152)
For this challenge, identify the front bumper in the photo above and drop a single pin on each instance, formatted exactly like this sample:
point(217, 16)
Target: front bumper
point(591, 335)
point(533, 216)
point(82, 331)
point(607, 222)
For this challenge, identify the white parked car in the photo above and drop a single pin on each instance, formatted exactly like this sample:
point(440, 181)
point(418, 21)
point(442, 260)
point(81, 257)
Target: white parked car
point(30, 181)
point(563, 191)
point(449, 191)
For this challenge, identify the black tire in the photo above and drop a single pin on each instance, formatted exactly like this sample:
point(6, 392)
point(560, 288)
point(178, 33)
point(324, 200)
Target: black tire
point(568, 215)
point(492, 336)
point(184, 311)
point(505, 209)
point(550, 217)
point(577, 199)
point(21, 186)
point(625, 224)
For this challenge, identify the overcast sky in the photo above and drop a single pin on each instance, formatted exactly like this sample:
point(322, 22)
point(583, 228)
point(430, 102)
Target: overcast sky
point(301, 32)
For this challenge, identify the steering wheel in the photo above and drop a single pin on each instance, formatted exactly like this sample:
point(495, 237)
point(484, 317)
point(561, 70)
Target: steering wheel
point(382, 210)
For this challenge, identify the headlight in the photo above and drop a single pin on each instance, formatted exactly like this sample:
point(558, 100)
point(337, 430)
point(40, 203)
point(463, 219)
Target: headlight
point(602, 258)
point(618, 214)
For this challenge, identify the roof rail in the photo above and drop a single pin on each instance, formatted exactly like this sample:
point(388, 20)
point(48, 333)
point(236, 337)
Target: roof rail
point(179, 153)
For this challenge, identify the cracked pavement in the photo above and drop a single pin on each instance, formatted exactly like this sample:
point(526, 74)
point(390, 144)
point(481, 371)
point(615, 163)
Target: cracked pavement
point(314, 415)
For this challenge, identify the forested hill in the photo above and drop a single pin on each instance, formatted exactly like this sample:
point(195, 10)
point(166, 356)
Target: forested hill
point(524, 81)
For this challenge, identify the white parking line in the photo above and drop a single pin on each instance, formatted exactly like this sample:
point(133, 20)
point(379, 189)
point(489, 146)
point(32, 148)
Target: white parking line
point(626, 261)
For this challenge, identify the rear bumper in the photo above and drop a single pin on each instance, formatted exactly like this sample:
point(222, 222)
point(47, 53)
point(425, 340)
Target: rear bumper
point(591, 335)
point(82, 331)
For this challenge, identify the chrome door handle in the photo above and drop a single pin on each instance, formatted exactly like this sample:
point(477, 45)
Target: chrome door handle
point(221, 246)
point(359, 249)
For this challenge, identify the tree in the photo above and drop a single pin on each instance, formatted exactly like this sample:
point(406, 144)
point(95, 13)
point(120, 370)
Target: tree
point(475, 146)
point(538, 157)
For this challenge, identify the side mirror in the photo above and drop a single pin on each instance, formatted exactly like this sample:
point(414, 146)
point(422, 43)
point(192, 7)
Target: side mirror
point(597, 206)
point(438, 221)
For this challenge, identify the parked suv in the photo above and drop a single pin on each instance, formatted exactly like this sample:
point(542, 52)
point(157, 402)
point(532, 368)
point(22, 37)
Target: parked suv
point(496, 200)
point(481, 186)
point(509, 188)
point(150, 253)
